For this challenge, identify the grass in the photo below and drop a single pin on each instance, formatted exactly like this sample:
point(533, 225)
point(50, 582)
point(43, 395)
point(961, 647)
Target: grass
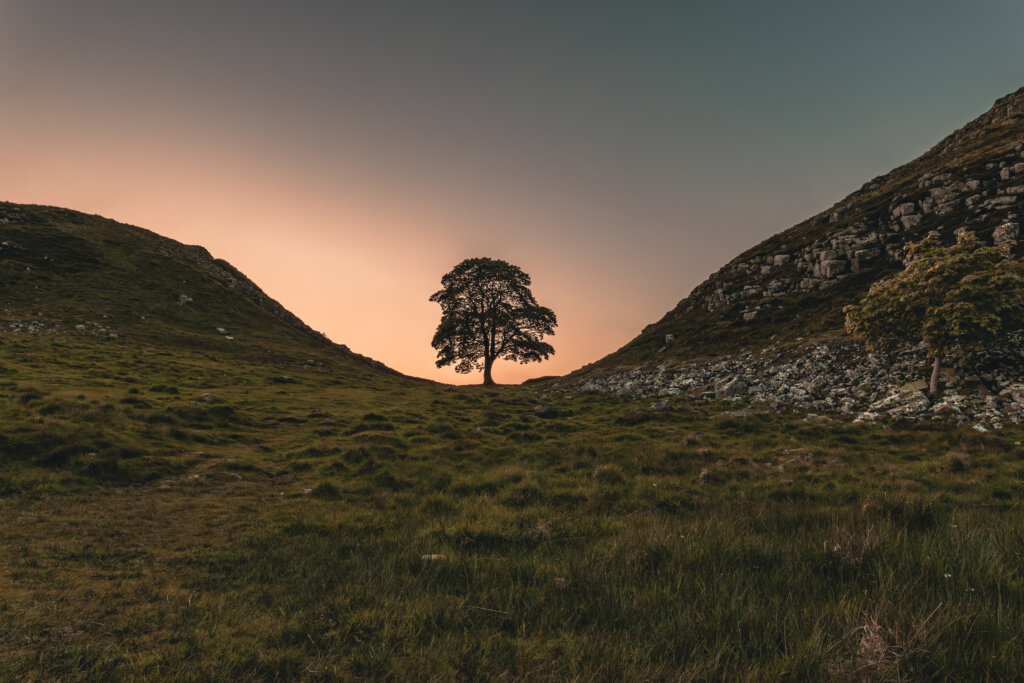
point(279, 530)
point(177, 505)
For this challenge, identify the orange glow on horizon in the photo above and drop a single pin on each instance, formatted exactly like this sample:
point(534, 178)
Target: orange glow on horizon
point(350, 260)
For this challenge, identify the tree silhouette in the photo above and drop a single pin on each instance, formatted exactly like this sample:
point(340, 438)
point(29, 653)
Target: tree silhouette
point(488, 312)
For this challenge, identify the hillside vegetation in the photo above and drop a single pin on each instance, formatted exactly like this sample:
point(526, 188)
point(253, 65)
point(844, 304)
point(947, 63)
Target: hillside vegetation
point(176, 504)
point(190, 520)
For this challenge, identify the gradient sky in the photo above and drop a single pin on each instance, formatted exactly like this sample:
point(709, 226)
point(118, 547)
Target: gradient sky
point(345, 155)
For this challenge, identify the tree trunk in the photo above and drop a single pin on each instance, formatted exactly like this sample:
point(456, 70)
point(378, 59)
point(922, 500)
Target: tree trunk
point(933, 386)
point(488, 380)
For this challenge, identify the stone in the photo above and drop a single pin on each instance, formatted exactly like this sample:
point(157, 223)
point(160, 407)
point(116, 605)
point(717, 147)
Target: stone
point(1004, 174)
point(1007, 232)
point(912, 220)
point(781, 259)
point(749, 315)
point(545, 412)
point(915, 386)
point(903, 209)
point(916, 403)
point(661, 405)
point(434, 557)
point(827, 255)
point(669, 338)
point(221, 330)
point(730, 387)
point(834, 267)
point(184, 299)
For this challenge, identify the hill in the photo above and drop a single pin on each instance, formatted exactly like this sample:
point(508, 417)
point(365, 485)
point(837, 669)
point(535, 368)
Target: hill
point(73, 276)
point(182, 502)
point(783, 299)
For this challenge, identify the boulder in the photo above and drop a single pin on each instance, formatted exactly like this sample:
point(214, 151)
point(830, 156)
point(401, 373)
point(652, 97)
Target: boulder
point(834, 267)
point(913, 387)
point(903, 209)
point(730, 387)
point(914, 404)
point(1007, 232)
point(912, 220)
point(545, 412)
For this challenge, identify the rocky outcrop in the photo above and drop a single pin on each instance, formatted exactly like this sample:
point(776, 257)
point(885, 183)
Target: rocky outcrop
point(794, 286)
point(983, 200)
point(838, 376)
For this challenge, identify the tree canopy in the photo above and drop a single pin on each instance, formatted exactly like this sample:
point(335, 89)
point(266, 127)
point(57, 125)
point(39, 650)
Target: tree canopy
point(956, 299)
point(488, 312)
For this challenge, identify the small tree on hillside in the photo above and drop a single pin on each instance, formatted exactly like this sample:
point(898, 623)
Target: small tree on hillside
point(488, 312)
point(956, 299)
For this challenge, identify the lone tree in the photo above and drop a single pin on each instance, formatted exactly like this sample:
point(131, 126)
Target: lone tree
point(488, 312)
point(956, 299)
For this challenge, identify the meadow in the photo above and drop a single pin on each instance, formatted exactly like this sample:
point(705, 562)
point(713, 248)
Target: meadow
point(171, 515)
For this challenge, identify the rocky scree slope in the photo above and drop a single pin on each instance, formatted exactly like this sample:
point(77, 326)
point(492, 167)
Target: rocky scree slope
point(68, 273)
point(770, 321)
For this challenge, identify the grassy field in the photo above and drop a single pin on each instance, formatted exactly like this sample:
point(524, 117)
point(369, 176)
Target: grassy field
point(175, 516)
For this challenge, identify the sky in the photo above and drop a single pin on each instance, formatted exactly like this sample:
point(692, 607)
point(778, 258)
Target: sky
point(346, 154)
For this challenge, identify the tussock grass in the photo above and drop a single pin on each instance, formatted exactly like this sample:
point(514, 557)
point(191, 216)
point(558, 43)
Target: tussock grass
point(231, 538)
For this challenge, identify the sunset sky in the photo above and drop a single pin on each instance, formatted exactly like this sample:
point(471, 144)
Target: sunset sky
point(345, 155)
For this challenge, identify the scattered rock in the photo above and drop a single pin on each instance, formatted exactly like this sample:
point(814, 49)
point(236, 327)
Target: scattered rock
point(728, 387)
point(915, 386)
point(545, 412)
point(839, 376)
point(1007, 232)
point(434, 557)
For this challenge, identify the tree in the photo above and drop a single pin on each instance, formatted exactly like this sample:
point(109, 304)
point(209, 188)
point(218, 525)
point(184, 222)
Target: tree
point(488, 312)
point(956, 299)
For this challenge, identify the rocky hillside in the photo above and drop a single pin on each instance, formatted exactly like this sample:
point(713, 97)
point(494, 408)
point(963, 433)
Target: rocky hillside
point(67, 273)
point(768, 325)
point(796, 283)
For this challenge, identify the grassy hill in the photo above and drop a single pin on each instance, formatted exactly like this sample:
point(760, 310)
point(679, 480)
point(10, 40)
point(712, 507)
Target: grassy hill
point(794, 285)
point(178, 505)
point(87, 276)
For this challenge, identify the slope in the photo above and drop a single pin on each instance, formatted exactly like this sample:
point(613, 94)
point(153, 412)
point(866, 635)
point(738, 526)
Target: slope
point(794, 285)
point(75, 276)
